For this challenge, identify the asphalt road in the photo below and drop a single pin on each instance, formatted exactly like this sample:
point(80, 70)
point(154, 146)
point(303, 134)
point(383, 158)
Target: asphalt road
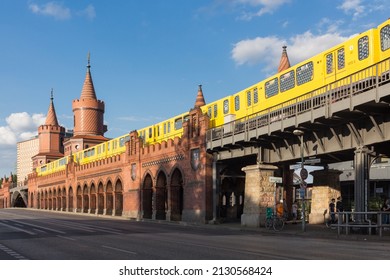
point(42, 235)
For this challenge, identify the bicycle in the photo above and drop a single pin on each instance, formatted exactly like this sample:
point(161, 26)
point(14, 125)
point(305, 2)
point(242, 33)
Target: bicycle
point(274, 221)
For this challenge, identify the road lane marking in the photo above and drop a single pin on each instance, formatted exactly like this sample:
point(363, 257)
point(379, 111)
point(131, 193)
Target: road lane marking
point(12, 253)
point(67, 238)
point(120, 250)
point(45, 228)
point(18, 228)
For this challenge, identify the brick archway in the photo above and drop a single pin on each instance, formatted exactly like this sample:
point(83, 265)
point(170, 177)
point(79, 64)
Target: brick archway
point(176, 195)
point(79, 199)
point(147, 197)
point(100, 199)
point(161, 196)
point(118, 198)
point(85, 199)
point(70, 199)
point(63, 203)
point(109, 198)
point(93, 199)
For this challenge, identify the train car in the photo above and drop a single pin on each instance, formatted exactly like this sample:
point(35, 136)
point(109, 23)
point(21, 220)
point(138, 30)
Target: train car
point(325, 68)
point(162, 131)
point(103, 150)
point(53, 166)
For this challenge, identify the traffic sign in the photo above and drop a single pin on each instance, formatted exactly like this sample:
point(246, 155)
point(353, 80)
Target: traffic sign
point(304, 174)
point(277, 180)
point(312, 161)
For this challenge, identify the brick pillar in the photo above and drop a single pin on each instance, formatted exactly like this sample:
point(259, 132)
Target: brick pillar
point(326, 185)
point(259, 194)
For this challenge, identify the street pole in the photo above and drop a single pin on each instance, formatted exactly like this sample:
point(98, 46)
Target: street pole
point(300, 133)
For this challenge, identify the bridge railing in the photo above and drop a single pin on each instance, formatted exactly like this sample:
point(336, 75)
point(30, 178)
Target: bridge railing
point(325, 97)
point(361, 220)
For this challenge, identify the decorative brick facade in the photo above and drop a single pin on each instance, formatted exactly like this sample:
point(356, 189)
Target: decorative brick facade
point(157, 182)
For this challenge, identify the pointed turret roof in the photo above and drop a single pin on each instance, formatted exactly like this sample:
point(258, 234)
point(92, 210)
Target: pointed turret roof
point(284, 62)
point(199, 98)
point(88, 91)
point(51, 118)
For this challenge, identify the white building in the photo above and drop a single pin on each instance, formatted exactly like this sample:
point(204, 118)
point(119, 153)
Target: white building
point(25, 151)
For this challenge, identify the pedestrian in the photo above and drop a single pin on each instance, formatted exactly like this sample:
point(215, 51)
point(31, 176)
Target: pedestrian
point(294, 210)
point(339, 208)
point(332, 208)
point(385, 208)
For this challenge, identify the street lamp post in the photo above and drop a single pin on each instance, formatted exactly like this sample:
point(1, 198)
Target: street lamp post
point(300, 133)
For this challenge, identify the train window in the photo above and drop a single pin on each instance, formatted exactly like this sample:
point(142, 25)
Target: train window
point(150, 132)
point(123, 140)
point(385, 38)
point(89, 153)
point(226, 106)
point(186, 118)
point(249, 97)
point(169, 127)
point(237, 103)
point(271, 87)
point(340, 59)
point(215, 110)
point(62, 161)
point(165, 128)
point(255, 96)
point(178, 123)
point(209, 112)
point(329, 63)
point(287, 81)
point(305, 73)
point(158, 130)
point(363, 48)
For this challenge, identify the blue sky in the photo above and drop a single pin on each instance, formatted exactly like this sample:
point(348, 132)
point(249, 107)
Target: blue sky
point(148, 57)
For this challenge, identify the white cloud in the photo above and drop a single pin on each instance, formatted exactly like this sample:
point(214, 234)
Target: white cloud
point(352, 6)
point(89, 12)
point(20, 127)
point(58, 11)
point(266, 7)
point(53, 9)
point(267, 50)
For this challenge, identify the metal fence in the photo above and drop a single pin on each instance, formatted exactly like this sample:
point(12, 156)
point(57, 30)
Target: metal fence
point(362, 221)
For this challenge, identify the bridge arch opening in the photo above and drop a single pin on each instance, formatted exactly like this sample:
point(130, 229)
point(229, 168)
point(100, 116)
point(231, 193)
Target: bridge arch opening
point(176, 195)
point(109, 198)
point(118, 198)
point(147, 197)
point(161, 196)
point(18, 201)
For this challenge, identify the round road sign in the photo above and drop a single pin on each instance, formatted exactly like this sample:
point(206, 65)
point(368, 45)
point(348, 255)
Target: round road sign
point(304, 174)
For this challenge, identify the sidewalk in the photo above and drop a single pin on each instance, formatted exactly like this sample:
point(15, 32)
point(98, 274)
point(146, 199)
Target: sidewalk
point(312, 231)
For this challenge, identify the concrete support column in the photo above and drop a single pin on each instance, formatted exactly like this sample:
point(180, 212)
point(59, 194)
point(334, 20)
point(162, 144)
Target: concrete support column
point(326, 185)
point(362, 180)
point(259, 194)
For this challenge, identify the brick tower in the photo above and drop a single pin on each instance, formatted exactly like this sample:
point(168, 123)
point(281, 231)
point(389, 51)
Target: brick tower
point(88, 114)
point(284, 61)
point(51, 137)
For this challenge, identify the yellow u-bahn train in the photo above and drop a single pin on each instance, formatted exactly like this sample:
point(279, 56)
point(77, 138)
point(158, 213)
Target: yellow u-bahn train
point(336, 63)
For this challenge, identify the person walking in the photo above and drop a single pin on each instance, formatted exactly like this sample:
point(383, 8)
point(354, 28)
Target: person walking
point(332, 208)
point(339, 209)
point(294, 210)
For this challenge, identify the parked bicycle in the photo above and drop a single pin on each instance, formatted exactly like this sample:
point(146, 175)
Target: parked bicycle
point(274, 221)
